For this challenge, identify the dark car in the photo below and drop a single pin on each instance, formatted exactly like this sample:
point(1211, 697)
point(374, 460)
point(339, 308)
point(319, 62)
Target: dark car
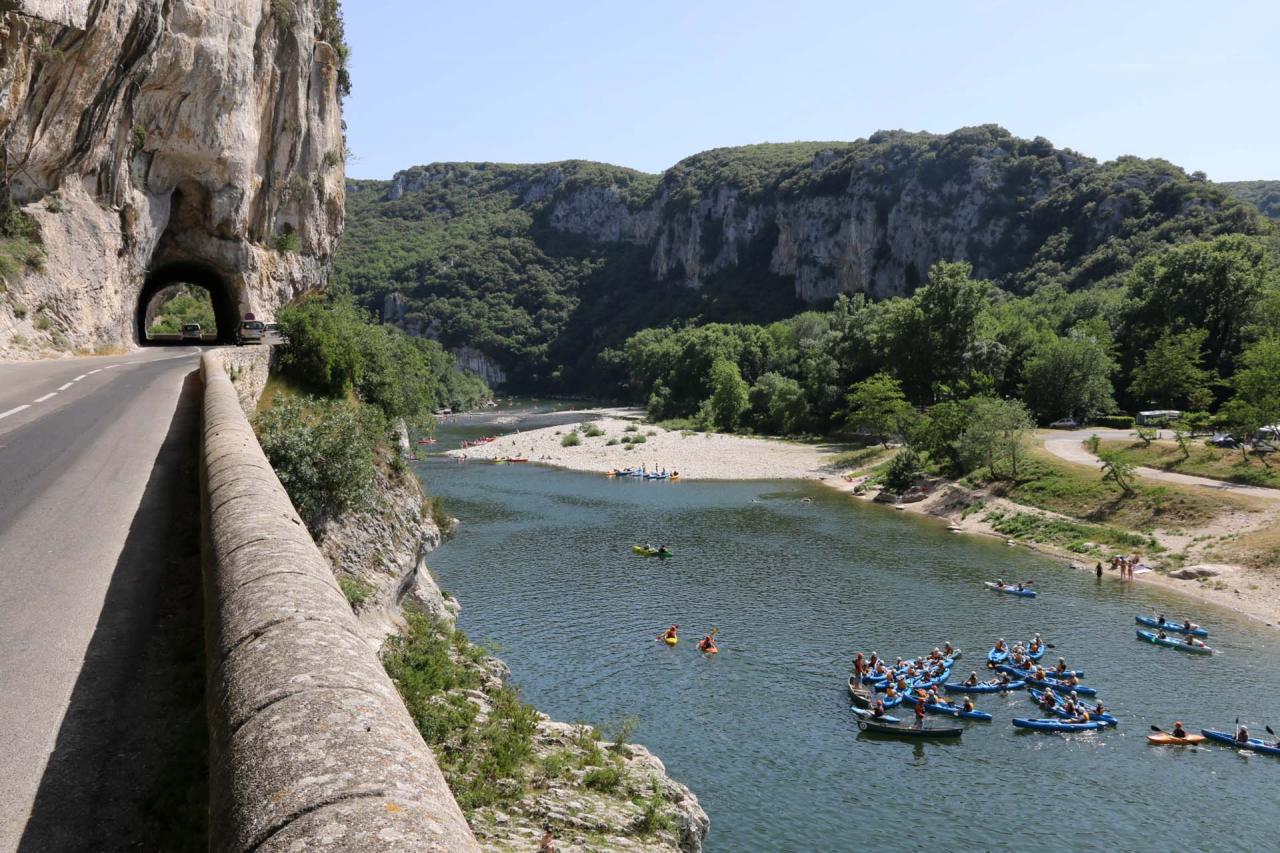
point(1225, 441)
point(250, 332)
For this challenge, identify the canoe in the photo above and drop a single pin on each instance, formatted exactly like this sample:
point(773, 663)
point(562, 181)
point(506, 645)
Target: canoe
point(1011, 590)
point(1175, 627)
point(951, 687)
point(1254, 744)
point(864, 714)
point(1058, 711)
point(1171, 643)
point(864, 698)
point(1054, 725)
point(1063, 687)
point(906, 730)
point(1170, 740)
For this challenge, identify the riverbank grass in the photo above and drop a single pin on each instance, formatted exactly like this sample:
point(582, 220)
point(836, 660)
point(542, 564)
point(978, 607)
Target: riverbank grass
point(1200, 459)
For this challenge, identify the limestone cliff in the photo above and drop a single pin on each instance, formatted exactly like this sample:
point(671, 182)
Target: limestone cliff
point(540, 267)
point(146, 142)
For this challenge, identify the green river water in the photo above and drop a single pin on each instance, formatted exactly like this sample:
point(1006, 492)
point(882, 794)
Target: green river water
point(763, 733)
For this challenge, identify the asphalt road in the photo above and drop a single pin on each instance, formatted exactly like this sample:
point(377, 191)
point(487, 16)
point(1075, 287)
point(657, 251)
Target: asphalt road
point(90, 449)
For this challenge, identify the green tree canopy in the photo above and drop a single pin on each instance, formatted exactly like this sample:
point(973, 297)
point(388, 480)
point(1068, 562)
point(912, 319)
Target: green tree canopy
point(877, 407)
point(1170, 374)
point(728, 400)
point(1069, 376)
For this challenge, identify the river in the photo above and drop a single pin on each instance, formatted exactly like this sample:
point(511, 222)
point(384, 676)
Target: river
point(763, 733)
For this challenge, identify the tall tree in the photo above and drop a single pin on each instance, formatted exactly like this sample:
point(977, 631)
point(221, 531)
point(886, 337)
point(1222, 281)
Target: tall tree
point(995, 436)
point(1170, 373)
point(1069, 376)
point(728, 400)
point(877, 406)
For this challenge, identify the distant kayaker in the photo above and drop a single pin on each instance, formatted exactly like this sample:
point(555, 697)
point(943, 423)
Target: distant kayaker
point(999, 583)
point(1061, 668)
point(1242, 735)
point(859, 665)
point(968, 704)
point(1004, 679)
point(1189, 626)
point(708, 643)
point(1000, 647)
point(947, 650)
point(1178, 731)
point(672, 633)
point(919, 713)
point(877, 710)
point(972, 680)
point(1162, 635)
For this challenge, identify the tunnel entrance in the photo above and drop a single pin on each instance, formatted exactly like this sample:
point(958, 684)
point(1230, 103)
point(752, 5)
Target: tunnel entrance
point(163, 280)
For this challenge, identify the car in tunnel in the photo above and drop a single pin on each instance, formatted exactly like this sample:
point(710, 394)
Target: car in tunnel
point(192, 332)
point(250, 332)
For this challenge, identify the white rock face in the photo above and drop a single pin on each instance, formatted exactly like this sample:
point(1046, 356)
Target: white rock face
point(149, 139)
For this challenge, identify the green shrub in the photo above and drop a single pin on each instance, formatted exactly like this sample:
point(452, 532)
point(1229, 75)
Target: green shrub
point(654, 818)
point(631, 428)
point(42, 322)
point(606, 779)
point(287, 241)
point(903, 471)
point(1114, 422)
point(322, 450)
point(611, 442)
point(357, 590)
point(592, 430)
point(571, 439)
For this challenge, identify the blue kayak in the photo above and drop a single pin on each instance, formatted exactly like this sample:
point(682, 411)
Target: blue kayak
point(1008, 589)
point(1048, 673)
point(1253, 744)
point(1169, 642)
point(864, 714)
point(956, 711)
point(1036, 655)
point(1058, 711)
point(951, 687)
point(997, 657)
point(1062, 686)
point(1169, 625)
point(1054, 725)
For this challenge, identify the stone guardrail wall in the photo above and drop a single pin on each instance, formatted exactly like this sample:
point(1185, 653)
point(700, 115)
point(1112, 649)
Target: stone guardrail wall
point(311, 748)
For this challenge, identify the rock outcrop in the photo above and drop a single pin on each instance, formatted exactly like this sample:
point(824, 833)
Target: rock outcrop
point(146, 143)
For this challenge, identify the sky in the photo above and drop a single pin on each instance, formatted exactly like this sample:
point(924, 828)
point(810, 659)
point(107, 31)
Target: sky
point(648, 82)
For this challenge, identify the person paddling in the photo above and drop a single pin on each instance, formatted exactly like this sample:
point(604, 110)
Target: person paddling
point(877, 710)
point(1178, 731)
point(919, 709)
point(1242, 735)
point(672, 633)
point(708, 643)
point(972, 680)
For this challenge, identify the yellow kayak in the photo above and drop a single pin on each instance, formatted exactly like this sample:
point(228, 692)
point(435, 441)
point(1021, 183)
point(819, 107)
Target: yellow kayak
point(670, 641)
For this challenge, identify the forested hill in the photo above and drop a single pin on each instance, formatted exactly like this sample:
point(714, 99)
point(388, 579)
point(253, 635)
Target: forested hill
point(1265, 195)
point(540, 267)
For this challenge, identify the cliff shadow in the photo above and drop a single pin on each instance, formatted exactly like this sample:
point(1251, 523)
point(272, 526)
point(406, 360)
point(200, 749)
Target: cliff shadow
point(129, 766)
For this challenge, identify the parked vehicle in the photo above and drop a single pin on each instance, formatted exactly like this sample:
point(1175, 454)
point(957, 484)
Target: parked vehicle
point(250, 332)
point(192, 332)
point(1065, 423)
point(1224, 440)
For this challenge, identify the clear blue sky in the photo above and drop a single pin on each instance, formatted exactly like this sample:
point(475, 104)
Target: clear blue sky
point(647, 82)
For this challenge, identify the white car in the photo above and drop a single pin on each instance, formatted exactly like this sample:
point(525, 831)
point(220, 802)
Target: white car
point(192, 332)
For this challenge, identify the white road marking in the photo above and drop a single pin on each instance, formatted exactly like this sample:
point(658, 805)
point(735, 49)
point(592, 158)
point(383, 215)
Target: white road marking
point(65, 387)
point(91, 372)
point(4, 415)
point(46, 397)
point(109, 366)
point(78, 378)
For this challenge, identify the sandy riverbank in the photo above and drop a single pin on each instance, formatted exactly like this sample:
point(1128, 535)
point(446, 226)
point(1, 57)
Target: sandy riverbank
point(1254, 592)
point(697, 456)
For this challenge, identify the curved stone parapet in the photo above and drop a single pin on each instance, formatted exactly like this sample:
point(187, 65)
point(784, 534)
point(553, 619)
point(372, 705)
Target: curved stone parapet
point(311, 748)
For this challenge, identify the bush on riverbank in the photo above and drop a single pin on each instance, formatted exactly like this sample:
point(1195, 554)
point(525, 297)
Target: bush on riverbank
point(1201, 460)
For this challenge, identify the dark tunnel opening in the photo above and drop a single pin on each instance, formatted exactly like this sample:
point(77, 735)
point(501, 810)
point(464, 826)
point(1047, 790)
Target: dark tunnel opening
point(225, 308)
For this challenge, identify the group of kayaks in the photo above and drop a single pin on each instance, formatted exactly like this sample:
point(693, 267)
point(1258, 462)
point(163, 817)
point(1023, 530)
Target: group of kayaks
point(643, 474)
point(877, 686)
point(1188, 639)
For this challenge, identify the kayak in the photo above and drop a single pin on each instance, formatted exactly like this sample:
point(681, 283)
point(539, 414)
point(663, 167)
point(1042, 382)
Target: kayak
point(1048, 673)
point(1253, 743)
point(864, 714)
point(997, 657)
point(1169, 740)
point(1054, 725)
point(1036, 655)
point(1058, 711)
point(709, 650)
point(649, 552)
point(1063, 687)
point(670, 641)
point(951, 687)
point(1196, 630)
point(957, 711)
point(1011, 590)
point(905, 730)
point(1168, 642)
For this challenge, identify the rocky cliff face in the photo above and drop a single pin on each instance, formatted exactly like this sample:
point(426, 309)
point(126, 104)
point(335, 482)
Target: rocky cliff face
point(147, 142)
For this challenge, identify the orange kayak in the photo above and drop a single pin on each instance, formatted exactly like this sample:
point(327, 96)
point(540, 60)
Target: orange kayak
point(1170, 740)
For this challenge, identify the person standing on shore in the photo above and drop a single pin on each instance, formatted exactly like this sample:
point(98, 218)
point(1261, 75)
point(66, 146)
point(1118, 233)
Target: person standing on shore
point(1098, 570)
